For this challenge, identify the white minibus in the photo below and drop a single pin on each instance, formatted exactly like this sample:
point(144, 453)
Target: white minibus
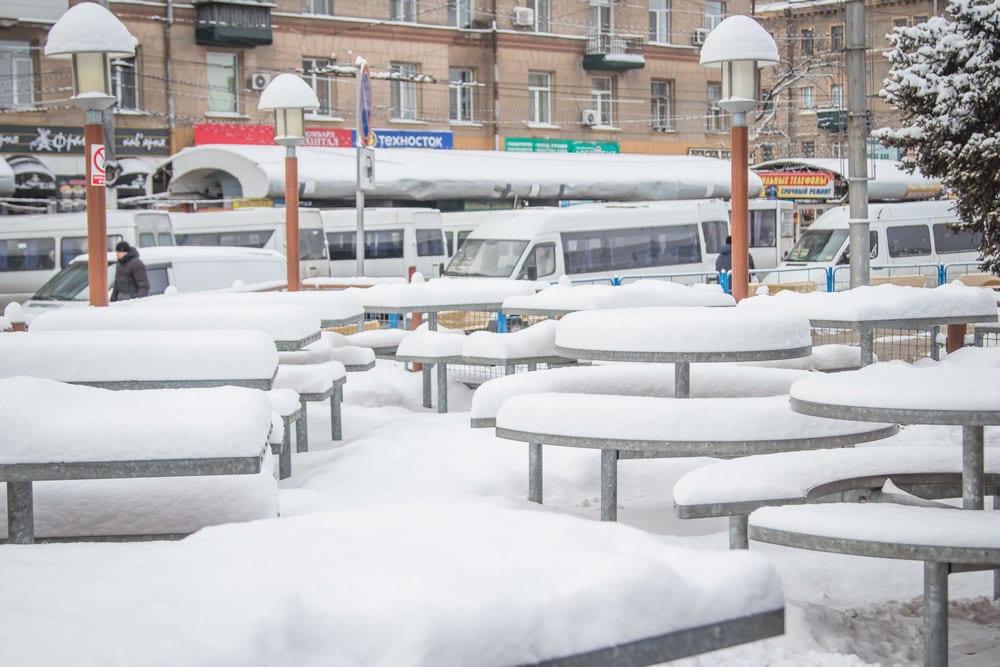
point(33, 248)
point(188, 269)
point(597, 242)
point(398, 241)
point(458, 225)
point(262, 228)
point(904, 238)
point(770, 230)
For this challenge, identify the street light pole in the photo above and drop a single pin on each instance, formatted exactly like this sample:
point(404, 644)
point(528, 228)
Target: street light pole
point(91, 35)
point(292, 218)
point(740, 203)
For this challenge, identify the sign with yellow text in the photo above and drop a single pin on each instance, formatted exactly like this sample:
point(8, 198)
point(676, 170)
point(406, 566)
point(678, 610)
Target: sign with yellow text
point(797, 184)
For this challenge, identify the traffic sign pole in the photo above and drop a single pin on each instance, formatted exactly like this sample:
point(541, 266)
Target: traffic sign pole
point(365, 137)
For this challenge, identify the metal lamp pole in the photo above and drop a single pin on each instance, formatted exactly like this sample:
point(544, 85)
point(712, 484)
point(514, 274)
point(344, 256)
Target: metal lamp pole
point(740, 202)
point(97, 215)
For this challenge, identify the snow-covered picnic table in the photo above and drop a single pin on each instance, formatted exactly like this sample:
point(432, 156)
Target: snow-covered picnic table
point(290, 327)
point(565, 297)
point(56, 431)
point(640, 427)
point(681, 335)
point(443, 294)
point(867, 308)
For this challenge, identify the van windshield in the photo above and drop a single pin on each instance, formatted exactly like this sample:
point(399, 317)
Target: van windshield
point(490, 258)
point(817, 245)
point(70, 284)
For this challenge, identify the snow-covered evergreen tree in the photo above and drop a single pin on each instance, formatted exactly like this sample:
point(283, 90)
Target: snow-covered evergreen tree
point(945, 78)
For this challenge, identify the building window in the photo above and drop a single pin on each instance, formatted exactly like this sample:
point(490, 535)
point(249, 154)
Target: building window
point(902, 22)
point(222, 93)
point(403, 10)
point(917, 20)
point(837, 96)
point(542, 14)
point(312, 69)
point(460, 13)
point(715, 11)
point(716, 119)
point(539, 97)
point(766, 152)
point(600, 97)
point(317, 7)
point(660, 99)
point(460, 90)
point(125, 83)
point(17, 75)
point(808, 41)
point(659, 21)
point(837, 150)
point(601, 19)
point(808, 149)
point(836, 37)
point(403, 91)
point(807, 98)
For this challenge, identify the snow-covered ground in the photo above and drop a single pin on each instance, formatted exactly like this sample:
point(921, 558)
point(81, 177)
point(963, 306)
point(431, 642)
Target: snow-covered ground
point(247, 593)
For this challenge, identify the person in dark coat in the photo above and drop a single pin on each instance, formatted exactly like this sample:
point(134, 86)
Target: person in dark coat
point(130, 274)
point(724, 262)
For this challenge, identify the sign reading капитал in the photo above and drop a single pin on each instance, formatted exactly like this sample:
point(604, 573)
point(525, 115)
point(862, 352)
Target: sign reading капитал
point(797, 184)
point(68, 140)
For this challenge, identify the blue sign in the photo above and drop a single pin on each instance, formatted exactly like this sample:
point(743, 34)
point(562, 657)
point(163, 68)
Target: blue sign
point(414, 139)
point(366, 107)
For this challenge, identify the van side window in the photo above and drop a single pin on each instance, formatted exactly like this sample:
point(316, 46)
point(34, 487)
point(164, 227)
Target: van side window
point(583, 252)
point(237, 239)
point(762, 228)
point(449, 238)
point(164, 238)
point(157, 279)
point(429, 242)
point(70, 247)
point(948, 238)
point(311, 244)
point(715, 232)
point(27, 254)
point(386, 244)
point(908, 241)
point(872, 245)
point(147, 239)
point(341, 245)
point(542, 258)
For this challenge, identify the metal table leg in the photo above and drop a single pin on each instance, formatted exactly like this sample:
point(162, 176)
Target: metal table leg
point(609, 485)
point(20, 513)
point(738, 531)
point(935, 614)
point(442, 387)
point(336, 418)
point(302, 430)
point(535, 472)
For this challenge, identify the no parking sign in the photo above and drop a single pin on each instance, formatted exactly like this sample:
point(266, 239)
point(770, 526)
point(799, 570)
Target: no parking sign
point(98, 175)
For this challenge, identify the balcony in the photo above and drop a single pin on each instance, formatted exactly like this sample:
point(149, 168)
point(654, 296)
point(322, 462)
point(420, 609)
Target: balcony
point(614, 53)
point(233, 23)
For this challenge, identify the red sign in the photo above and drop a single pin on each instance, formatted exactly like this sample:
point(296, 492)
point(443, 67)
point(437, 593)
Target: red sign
point(97, 164)
point(797, 184)
point(263, 135)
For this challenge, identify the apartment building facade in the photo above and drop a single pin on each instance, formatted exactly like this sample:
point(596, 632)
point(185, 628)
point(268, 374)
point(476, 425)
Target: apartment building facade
point(804, 113)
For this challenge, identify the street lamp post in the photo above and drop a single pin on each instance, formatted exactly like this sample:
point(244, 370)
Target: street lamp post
point(740, 47)
point(288, 96)
point(91, 35)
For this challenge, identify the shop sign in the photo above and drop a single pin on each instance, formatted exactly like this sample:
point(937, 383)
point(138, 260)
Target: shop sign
point(797, 184)
point(68, 140)
point(263, 135)
point(532, 145)
point(413, 139)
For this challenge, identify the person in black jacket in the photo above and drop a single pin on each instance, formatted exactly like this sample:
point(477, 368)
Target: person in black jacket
point(724, 262)
point(130, 274)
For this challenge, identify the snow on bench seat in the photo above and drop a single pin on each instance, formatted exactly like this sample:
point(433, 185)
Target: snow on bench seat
point(57, 431)
point(353, 357)
point(420, 583)
point(711, 380)
point(329, 308)
point(142, 359)
point(566, 297)
point(290, 327)
point(443, 294)
point(535, 342)
point(737, 487)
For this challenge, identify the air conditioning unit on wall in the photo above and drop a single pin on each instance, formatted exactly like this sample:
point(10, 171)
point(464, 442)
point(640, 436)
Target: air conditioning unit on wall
point(591, 117)
point(259, 81)
point(699, 35)
point(524, 17)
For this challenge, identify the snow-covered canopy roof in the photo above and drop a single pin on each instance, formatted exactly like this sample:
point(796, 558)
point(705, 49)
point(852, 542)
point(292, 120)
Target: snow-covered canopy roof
point(886, 180)
point(90, 28)
point(419, 175)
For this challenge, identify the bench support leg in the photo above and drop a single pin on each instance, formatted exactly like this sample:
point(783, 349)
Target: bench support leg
point(285, 455)
point(535, 472)
point(302, 430)
point(20, 513)
point(442, 388)
point(972, 467)
point(508, 369)
point(933, 352)
point(867, 337)
point(609, 485)
point(426, 379)
point(935, 614)
point(532, 367)
point(682, 379)
point(336, 419)
point(738, 532)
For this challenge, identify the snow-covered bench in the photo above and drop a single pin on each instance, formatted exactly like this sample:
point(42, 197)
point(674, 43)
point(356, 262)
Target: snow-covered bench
point(330, 348)
point(56, 432)
point(142, 359)
point(946, 540)
point(530, 347)
point(738, 487)
point(331, 309)
point(315, 382)
point(640, 427)
point(290, 327)
point(712, 380)
point(984, 331)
